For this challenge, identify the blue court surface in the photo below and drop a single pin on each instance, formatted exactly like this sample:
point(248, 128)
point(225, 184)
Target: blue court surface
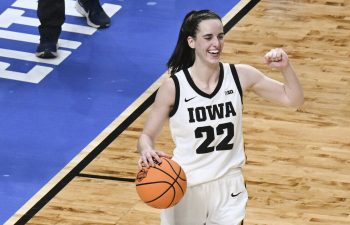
point(51, 109)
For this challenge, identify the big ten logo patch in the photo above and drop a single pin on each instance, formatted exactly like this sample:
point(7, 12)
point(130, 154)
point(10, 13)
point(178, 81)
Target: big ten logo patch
point(16, 15)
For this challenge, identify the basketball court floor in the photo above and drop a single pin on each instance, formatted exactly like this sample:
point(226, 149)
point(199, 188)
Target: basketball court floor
point(52, 109)
point(69, 126)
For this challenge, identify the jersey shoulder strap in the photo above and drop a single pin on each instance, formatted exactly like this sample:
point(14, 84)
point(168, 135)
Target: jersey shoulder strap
point(177, 95)
point(236, 78)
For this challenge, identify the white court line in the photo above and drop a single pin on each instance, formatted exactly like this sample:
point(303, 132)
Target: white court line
point(32, 38)
point(110, 9)
point(27, 56)
point(11, 16)
point(35, 75)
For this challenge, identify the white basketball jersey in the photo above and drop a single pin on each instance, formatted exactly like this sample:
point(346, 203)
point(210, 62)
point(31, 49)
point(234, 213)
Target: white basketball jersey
point(207, 128)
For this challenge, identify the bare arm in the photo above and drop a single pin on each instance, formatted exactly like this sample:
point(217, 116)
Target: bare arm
point(289, 93)
point(159, 113)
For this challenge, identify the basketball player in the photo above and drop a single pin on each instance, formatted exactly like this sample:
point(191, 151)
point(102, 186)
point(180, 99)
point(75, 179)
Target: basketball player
point(203, 101)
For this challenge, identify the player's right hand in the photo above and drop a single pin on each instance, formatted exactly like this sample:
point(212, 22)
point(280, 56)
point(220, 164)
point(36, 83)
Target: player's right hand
point(150, 158)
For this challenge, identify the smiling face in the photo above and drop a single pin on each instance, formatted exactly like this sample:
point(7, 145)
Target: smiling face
point(208, 42)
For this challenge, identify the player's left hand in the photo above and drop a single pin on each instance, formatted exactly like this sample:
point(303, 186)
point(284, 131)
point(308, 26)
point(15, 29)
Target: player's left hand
point(276, 58)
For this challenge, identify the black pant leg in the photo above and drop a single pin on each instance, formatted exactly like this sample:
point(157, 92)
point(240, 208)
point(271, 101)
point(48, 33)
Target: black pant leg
point(51, 16)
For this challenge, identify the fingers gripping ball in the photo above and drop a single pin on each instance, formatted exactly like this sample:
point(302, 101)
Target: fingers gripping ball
point(162, 186)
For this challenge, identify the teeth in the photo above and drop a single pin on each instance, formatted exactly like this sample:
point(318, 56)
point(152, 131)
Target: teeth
point(214, 51)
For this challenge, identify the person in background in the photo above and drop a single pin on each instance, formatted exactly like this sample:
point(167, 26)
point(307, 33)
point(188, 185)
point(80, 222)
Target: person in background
point(51, 14)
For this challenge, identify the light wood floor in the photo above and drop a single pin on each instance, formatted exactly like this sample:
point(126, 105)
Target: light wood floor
point(298, 167)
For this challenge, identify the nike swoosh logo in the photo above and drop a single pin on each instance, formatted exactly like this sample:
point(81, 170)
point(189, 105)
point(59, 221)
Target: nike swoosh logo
point(232, 195)
point(186, 100)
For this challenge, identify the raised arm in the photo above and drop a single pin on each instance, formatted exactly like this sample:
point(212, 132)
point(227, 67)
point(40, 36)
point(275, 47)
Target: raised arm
point(159, 113)
point(288, 93)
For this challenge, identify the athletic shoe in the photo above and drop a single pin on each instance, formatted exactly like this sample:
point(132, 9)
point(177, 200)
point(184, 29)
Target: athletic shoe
point(46, 50)
point(94, 13)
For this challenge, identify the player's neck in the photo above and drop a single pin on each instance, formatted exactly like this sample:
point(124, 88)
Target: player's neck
point(205, 77)
point(205, 72)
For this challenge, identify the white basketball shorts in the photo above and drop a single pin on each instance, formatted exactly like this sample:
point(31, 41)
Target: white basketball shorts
point(219, 202)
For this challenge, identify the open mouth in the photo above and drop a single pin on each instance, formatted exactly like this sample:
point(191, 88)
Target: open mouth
point(214, 53)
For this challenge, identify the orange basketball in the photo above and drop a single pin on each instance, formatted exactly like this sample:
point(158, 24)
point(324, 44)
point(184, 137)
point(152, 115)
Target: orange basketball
point(162, 186)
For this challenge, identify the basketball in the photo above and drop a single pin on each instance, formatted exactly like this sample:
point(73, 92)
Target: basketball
point(162, 186)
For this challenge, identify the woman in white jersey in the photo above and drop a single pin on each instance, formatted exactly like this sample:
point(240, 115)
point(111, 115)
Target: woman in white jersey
point(203, 102)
